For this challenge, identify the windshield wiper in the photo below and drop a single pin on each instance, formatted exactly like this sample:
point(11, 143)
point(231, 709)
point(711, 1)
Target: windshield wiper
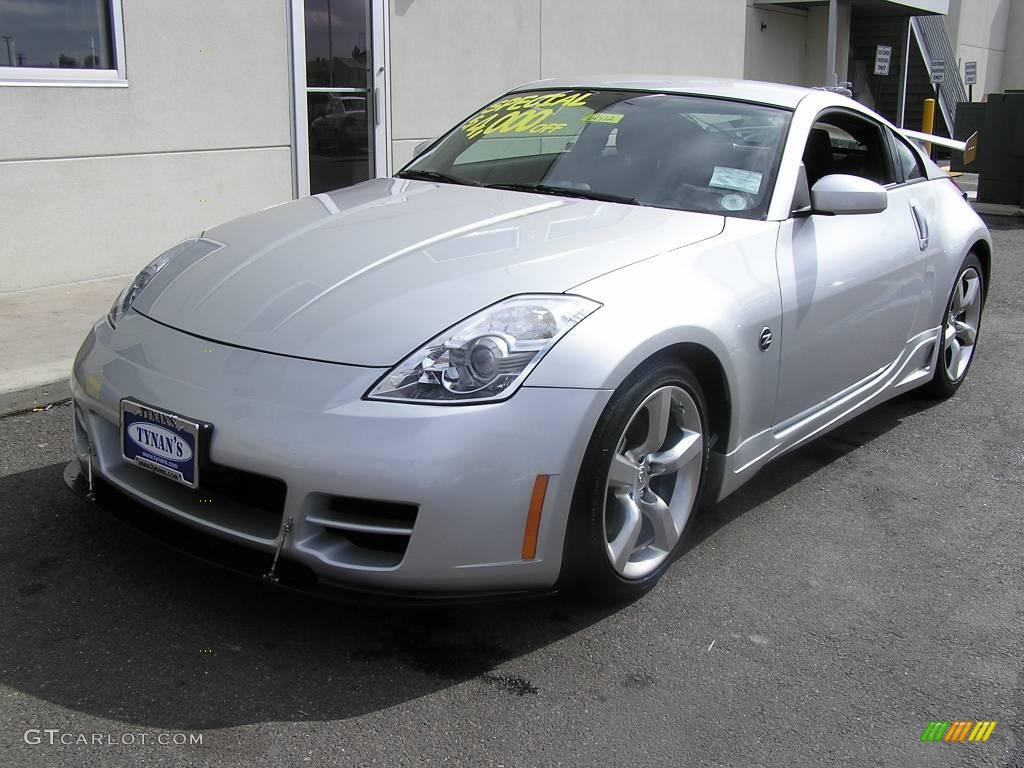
point(436, 176)
point(585, 194)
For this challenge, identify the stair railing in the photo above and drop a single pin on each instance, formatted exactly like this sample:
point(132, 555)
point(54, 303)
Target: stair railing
point(933, 43)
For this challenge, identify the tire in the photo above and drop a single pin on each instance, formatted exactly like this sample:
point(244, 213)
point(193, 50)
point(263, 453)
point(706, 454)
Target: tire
point(961, 325)
point(619, 539)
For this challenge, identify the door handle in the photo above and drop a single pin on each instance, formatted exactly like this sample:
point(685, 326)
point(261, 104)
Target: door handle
point(920, 223)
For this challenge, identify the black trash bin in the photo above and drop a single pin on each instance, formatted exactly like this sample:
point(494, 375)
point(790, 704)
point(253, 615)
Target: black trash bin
point(1000, 162)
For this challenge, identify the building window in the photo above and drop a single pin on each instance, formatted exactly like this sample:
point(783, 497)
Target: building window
point(61, 42)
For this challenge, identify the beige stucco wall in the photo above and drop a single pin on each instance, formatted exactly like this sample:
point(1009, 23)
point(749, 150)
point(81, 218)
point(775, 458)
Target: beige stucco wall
point(777, 45)
point(792, 45)
point(98, 180)
point(817, 44)
point(687, 37)
point(978, 30)
point(79, 219)
point(441, 71)
point(1013, 57)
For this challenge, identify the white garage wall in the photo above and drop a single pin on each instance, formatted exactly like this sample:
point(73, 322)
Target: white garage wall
point(94, 180)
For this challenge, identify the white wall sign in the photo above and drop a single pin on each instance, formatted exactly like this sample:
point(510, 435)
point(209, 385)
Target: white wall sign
point(883, 55)
point(970, 73)
point(938, 71)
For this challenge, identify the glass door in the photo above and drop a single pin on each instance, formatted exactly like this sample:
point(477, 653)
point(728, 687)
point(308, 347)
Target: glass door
point(341, 128)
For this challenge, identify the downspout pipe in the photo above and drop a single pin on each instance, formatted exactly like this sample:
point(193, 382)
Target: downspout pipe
point(831, 73)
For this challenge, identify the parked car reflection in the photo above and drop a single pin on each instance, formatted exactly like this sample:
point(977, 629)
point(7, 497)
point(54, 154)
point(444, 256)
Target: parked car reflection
point(341, 126)
point(339, 140)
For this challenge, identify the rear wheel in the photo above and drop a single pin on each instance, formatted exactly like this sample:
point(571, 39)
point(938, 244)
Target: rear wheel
point(639, 484)
point(960, 326)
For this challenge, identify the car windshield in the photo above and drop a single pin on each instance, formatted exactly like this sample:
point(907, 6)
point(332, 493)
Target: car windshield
point(672, 151)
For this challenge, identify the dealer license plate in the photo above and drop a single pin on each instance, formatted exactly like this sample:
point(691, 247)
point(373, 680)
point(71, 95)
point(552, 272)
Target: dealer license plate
point(161, 442)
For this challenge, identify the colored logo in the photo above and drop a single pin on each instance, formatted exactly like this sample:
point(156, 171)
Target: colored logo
point(958, 730)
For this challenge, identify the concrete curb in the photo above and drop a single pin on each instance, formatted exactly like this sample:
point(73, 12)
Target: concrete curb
point(32, 397)
point(993, 209)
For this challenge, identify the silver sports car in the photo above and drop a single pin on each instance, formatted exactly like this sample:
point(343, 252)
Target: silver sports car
point(526, 359)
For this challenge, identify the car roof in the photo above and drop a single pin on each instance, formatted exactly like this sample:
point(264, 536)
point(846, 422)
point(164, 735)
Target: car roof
point(775, 94)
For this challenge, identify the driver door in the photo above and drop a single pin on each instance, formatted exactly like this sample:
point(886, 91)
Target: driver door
point(851, 284)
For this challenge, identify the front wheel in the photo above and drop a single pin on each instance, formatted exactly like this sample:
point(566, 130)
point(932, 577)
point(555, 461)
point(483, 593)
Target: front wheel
point(639, 483)
point(960, 326)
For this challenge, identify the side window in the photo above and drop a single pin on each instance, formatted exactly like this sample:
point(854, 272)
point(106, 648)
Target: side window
point(909, 162)
point(841, 142)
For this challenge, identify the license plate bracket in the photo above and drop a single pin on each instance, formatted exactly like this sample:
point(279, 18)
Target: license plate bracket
point(162, 442)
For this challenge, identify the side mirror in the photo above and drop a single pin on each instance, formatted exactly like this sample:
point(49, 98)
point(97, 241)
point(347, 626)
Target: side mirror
point(839, 195)
point(422, 147)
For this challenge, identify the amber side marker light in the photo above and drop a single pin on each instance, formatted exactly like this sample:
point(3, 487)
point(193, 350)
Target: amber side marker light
point(540, 489)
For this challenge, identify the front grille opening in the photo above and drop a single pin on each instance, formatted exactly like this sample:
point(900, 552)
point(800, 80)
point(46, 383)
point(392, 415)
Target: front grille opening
point(232, 502)
point(385, 514)
point(378, 542)
point(363, 532)
point(257, 492)
point(356, 548)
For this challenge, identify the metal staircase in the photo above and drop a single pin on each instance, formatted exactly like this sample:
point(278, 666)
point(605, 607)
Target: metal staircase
point(933, 43)
point(928, 40)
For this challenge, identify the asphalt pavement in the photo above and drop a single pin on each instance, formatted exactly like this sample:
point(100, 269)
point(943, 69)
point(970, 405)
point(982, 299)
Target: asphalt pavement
point(853, 592)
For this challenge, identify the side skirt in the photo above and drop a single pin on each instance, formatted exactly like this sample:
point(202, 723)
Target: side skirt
point(911, 369)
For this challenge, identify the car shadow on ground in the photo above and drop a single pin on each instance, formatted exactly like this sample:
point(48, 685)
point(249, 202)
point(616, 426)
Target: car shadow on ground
point(103, 622)
point(777, 476)
point(1003, 222)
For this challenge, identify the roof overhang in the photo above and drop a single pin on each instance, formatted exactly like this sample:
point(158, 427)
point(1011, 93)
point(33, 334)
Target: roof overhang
point(873, 7)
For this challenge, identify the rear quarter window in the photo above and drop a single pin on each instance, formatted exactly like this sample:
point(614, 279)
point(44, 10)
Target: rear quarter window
point(907, 159)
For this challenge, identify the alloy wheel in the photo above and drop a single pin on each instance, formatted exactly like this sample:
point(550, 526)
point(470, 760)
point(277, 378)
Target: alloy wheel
point(653, 481)
point(961, 328)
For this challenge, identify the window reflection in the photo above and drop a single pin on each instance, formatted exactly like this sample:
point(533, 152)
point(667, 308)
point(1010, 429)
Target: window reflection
point(339, 140)
point(337, 57)
point(337, 35)
point(58, 34)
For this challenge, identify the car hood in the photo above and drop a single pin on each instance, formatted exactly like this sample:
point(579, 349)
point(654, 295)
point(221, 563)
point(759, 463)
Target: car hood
point(365, 274)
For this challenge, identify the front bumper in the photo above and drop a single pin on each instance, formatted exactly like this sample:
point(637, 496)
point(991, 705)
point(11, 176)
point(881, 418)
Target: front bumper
point(284, 574)
point(461, 477)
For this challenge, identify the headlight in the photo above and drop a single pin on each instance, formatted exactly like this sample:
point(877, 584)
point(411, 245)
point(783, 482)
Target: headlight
point(124, 302)
point(487, 356)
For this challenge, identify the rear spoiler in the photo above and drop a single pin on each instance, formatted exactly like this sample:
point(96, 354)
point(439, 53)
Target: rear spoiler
point(969, 148)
